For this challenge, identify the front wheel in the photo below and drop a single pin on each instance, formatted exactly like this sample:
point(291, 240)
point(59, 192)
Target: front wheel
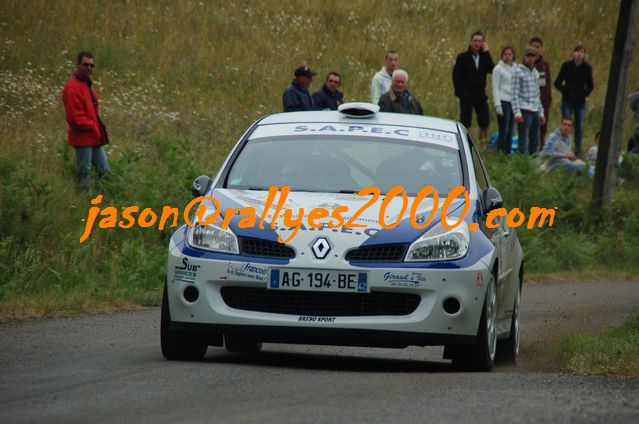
point(508, 350)
point(176, 345)
point(481, 356)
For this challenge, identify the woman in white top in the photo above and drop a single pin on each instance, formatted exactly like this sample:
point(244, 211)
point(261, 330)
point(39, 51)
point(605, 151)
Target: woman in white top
point(502, 95)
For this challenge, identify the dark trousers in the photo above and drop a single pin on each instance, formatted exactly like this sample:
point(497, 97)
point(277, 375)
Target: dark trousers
point(477, 100)
point(579, 112)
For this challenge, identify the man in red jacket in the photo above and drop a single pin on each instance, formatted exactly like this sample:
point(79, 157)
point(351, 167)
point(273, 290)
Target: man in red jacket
point(87, 133)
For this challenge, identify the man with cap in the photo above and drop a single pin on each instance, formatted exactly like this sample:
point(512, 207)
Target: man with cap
point(297, 97)
point(526, 102)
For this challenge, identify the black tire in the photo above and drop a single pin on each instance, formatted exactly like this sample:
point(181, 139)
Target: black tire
point(508, 349)
point(176, 345)
point(242, 345)
point(481, 355)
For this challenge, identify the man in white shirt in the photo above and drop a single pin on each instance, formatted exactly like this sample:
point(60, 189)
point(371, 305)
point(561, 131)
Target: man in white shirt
point(383, 79)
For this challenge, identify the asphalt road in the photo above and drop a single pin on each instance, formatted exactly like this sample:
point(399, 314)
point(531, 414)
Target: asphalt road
point(108, 368)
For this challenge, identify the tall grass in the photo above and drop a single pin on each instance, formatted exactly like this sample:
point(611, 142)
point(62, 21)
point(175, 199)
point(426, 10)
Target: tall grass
point(180, 80)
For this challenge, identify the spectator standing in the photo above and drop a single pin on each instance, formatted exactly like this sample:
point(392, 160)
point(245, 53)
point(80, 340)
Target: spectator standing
point(87, 133)
point(297, 97)
point(469, 80)
point(398, 99)
point(502, 97)
point(527, 108)
point(575, 83)
point(382, 80)
point(634, 106)
point(558, 149)
point(545, 84)
point(329, 97)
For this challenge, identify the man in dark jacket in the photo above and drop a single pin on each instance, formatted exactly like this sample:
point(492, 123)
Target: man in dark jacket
point(398, 99)
point(575, 83)
point(297, 97)
point(329, 97)
point(469, 79)
point(87, 133)
point(545, 85)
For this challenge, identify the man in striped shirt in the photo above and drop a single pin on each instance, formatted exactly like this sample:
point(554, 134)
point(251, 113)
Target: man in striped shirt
point(526, 103)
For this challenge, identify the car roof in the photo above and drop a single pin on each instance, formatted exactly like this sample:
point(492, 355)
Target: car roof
point(380, 118)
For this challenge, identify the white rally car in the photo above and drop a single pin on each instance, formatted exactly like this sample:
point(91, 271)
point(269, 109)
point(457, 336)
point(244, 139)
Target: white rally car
point(319, 262)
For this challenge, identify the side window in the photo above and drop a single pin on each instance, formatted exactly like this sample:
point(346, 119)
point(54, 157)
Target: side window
point(480, 175)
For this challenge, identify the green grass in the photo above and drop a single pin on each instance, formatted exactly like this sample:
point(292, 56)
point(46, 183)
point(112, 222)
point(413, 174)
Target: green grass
point(180, 81)
point(615, 352)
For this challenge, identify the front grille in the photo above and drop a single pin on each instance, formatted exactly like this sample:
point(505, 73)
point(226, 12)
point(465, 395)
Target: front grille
point(264, 248)
point(378, 253)
point(319, 304)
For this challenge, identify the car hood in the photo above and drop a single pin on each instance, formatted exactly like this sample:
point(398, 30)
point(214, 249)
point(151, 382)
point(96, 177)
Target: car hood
point(304, 202)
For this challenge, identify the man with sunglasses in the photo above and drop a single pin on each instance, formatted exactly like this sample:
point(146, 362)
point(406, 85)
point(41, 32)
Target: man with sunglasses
point(329, 97)
point(87, 133)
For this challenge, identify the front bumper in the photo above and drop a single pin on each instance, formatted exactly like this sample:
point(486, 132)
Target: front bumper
point(427, 324)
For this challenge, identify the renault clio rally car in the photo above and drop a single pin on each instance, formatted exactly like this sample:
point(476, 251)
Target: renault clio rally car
point(411, 281)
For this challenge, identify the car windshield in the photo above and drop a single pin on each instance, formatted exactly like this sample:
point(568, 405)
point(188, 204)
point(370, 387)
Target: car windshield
point(344, 164)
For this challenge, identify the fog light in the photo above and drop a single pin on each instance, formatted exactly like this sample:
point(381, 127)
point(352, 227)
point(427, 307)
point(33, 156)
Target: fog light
point(451, 305)
point(191, 294)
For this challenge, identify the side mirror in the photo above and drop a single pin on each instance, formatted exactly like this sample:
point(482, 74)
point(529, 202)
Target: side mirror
point(492, 199)
point(201, 185)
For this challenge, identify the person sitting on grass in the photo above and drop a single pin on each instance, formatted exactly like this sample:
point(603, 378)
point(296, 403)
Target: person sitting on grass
point(558, 149)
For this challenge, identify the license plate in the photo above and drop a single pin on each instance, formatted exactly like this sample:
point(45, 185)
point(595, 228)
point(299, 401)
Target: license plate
point(315, 280)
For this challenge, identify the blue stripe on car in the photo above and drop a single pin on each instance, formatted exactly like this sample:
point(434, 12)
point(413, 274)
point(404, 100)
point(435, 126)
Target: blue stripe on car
point(480, 246)
point(255, 232)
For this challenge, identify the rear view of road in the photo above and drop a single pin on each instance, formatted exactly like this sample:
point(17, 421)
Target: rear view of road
point(108, 368)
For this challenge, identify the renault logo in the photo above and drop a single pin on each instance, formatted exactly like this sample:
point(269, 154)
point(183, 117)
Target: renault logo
point(320, 248)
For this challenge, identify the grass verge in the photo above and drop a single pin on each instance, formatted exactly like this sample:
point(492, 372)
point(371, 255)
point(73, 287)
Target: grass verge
point(613, 353)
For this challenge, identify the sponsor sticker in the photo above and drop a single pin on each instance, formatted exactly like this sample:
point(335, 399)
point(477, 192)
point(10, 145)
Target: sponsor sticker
point(247, 271)
point(304, 318)
point(367, 130)
point(404, 279)
point(186, 271)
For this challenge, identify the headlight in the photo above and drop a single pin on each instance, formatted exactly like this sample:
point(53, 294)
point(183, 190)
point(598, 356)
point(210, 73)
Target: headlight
point(213, 237)
point(440, 243)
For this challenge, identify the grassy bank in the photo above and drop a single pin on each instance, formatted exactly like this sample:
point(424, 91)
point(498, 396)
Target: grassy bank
point(179, 82)
point(615, 352)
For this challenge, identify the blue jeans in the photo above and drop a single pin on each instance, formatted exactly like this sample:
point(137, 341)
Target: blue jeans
point(528, 133)
point(579, 112)
point(506, 128)
point(85, 157)
point(574, 166)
